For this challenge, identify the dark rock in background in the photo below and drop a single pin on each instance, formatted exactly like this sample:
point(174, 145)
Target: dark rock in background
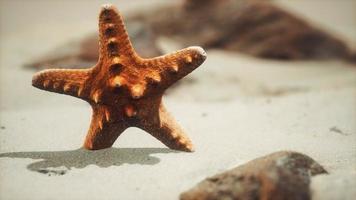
point(278, 176)
point(257, 28)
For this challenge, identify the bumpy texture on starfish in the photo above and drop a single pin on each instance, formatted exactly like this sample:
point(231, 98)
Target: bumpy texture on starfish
point(124, 89)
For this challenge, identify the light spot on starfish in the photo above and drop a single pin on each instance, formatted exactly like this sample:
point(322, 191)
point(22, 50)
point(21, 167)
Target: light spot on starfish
point(55, 85)
point(96, 96)
point(174, 68)
point(174, 136)
point(107, 115)
point(66, 87)
point(46, 83)
point(155, 77)
point(188, 59)
point(112, 46)
point(107, 6)
point(116, 60)
point(110, 30)
point(189, 147)
point(137, 91)
point(100, 124)
point(181, 141)
point(80, 90)
point(112, 41)
point(117, 81)
point(130, 111)
point(116, 65)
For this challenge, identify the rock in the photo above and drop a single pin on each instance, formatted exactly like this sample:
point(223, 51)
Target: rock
point(258, 28)
point(254, 27)
point(341, 186)
point(281, 175)
point(265, 30)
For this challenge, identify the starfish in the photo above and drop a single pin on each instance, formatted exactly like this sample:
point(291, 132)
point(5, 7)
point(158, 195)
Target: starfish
point(124, 89)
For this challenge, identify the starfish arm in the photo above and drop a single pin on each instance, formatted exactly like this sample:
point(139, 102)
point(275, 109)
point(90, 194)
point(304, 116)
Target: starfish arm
point(103, 130)
point(175, 66)
point(168, 131)
point(64, 81)
point(114, 41)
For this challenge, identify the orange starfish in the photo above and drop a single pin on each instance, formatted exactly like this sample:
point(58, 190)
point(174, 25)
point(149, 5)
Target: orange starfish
point(124, 89)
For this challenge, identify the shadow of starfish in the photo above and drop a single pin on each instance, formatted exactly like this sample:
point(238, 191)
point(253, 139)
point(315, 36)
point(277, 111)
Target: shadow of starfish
point(59, 162)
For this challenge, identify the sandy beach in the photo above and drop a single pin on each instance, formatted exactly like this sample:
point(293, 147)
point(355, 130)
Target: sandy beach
point(234, 108)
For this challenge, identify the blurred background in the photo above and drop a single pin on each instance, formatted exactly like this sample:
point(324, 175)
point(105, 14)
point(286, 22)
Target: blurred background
point(280, 75)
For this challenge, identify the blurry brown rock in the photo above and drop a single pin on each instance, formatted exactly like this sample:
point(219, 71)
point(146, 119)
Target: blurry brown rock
point(258, 28)
point(278, 176)
point(254, 27)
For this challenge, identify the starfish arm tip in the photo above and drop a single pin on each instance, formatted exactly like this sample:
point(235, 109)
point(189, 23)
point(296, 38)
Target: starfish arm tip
point(176, 65)
point(189, 148)
point(64, 81)
point(107, 7)
point(35, 80)
point(113, 37)
point(38, 79)
point(199, 51)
